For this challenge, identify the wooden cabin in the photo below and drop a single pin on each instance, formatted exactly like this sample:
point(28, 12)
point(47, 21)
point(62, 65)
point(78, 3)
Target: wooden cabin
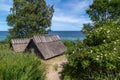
point(46, 46)
point(19, 45)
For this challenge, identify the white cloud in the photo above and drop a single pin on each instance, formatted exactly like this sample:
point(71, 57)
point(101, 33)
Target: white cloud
point(78, 6)
point(59, 26)
point(6, 1)
point(69, 19)
point(53, 2)
point(3, 27)
point(3, 22)
point(71, 14)
point(68, 23)
point(5, 5)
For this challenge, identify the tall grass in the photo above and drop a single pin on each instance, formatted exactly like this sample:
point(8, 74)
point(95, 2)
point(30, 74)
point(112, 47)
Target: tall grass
point(19, 66)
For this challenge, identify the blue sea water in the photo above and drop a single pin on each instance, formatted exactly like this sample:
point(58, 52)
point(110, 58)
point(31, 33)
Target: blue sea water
point(69, 35)
point(64, 35)
point(3, 35)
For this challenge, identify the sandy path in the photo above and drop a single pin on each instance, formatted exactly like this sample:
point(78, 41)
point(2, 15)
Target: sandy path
point(53, 74)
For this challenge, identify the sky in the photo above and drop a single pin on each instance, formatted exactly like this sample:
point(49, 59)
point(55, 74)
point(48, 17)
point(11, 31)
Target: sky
point(69, 15)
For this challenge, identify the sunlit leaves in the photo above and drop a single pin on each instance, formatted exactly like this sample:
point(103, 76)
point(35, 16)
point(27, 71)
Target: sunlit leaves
point(29, 17)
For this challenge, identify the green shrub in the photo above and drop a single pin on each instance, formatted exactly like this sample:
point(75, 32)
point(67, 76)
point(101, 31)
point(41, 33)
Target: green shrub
point(86, 63)
point(70, 46)
point(95, 59)
point(19, 66)
point(104, 34)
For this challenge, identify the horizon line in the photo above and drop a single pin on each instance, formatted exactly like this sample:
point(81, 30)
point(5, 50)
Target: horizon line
point(60, 30)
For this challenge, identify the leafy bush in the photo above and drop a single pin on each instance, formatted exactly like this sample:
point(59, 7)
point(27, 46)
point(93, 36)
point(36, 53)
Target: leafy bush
point(97, 58)
point(104, 34)
point(70, 46)
point(19, 66)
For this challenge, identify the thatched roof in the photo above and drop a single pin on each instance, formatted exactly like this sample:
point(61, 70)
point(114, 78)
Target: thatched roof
point(19, 45)
point(49, 45)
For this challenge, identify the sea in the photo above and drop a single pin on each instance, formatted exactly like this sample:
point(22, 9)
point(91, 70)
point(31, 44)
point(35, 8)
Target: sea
point(64, 35)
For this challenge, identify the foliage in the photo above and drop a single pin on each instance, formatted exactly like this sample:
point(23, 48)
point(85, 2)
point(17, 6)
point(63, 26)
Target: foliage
point(102, 12)
point(3, 42)
point(29, 17)
point(93, 63)
point(87, 28)
point(19, 66)
point(70, 46)
point(97, 57)
point(103, 34)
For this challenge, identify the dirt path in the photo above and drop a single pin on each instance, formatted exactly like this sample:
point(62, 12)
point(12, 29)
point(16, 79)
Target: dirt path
point(54, 67)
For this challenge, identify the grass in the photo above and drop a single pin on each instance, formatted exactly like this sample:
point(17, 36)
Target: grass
point(55, 67)
point(25, 66)
point(19, 66)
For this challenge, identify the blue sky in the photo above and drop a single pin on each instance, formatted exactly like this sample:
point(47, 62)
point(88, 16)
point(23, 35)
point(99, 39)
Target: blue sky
point(69, 15)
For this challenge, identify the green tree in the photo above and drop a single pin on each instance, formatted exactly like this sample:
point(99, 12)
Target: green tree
point(87, 27)
point(29, 17)
point(97, 57)
point(102, 12)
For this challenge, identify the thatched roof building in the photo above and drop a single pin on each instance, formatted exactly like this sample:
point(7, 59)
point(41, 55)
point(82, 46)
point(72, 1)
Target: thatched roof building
point(19, 45)
point(46, 46)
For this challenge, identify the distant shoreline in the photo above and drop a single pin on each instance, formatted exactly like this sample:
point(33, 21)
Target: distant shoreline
point(64, 35)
